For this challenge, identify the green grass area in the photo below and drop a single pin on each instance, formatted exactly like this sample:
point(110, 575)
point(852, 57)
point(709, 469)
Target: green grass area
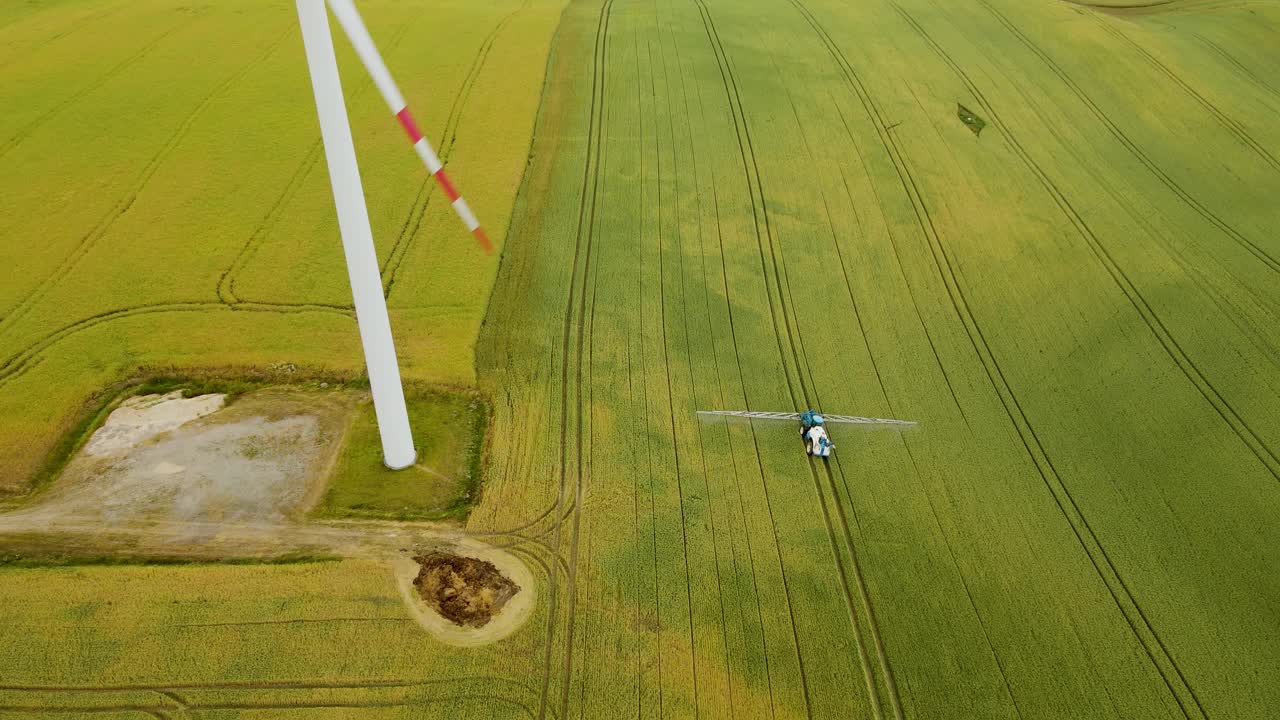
point(448, 431)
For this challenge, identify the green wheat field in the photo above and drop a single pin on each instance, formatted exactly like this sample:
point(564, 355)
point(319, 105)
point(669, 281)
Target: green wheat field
point(1047, 232)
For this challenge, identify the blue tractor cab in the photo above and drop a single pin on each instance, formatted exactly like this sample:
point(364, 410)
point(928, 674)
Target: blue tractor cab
point(814, 433)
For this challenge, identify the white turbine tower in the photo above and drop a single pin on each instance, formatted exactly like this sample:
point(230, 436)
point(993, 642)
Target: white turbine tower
point(353, 217)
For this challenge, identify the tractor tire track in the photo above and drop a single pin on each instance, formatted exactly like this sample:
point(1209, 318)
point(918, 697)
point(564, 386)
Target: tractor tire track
point(90, 240)
point(179, 694)
point(693, 385)
point(75, 27)
point(915, 303)
point(1078, 523)
point(1244, 71)
point(1234, 128)
point(24, 360)
point(644, 382)
point(575, 305)
point(755, 184)
point(719, 374)
point(1124, 598)
point(1231, 309)
point(1181, 358)
point(226, 288)
point(426, 189)
point(666, 364)
point(850, 545)
point(1212, 218)
point(738, 117)
point(26, 130)
point(582, 406)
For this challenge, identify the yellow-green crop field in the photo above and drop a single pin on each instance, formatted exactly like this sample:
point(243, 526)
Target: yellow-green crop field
point(754, 205)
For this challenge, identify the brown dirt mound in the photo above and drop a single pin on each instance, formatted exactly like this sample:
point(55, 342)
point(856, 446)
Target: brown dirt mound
point(466, 591)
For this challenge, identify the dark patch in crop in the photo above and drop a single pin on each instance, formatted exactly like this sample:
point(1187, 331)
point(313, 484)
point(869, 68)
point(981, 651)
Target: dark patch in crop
point(967, 117)
point(465, 590)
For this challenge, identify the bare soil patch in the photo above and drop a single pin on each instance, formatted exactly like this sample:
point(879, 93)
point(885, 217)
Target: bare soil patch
point(467, 591)
point(165, 458)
